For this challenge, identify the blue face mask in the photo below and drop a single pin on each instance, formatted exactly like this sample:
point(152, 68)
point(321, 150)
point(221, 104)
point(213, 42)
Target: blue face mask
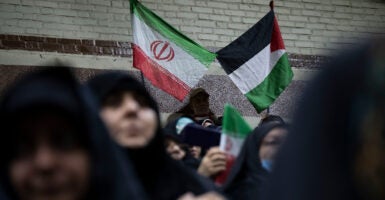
point(267, 164)
point(181, 123)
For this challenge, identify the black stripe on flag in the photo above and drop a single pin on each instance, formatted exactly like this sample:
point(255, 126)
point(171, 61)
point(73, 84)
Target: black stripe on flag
point(247, 45)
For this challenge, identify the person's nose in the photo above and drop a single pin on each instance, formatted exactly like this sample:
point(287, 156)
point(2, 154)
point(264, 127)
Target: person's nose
point(131, 108)
point(176, 148)
point(44, 157)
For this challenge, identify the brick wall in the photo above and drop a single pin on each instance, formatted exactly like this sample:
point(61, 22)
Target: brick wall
point(94, 36)
point(309, 27)
point(60, 45)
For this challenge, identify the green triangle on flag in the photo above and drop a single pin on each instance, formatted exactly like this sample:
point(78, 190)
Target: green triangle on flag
point(234, 132)
point(257, 62)
point(233, 123)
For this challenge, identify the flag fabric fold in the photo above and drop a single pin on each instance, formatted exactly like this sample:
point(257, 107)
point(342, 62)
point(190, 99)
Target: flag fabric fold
point(257, 62)
point(234, 132)
point(169, 59)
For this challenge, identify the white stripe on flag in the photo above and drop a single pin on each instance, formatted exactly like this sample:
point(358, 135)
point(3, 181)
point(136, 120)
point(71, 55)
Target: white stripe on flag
point(231, 145)
point(254, 71)
point(184, 66)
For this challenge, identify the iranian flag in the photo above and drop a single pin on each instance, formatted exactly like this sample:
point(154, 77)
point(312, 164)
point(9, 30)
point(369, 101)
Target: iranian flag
point(257, 62)
point(169, 59)
point(234, 132)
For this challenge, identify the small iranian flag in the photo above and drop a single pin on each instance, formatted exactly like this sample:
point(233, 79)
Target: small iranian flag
point(234, 132)
point(169, 59)
point(257, 62)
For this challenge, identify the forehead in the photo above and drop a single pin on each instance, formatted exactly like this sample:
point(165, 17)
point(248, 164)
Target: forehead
point(127, 96)
point(170, 141)
point(47, 123)
point(276, 132)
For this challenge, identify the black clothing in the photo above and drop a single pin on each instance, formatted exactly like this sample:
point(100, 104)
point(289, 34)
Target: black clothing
point(55, 89)
point(247, 176)
point(161, 176)
point(320, 157)
point(170, 132)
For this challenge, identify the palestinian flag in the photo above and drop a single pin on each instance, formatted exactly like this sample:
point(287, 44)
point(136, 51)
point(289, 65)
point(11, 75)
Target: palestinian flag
point(257, 62)
point(169, 59)
point(234, 132)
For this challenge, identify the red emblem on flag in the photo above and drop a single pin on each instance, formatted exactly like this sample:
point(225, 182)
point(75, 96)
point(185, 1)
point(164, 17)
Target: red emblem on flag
point(229, 144)
point(162, 50)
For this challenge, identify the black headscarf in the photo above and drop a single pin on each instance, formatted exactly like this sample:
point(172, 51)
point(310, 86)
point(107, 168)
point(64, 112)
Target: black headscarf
point(170, 132)
point(161, 176)
point(2, 194)
point(56, 88)
point(321, 155)
point(247, 174)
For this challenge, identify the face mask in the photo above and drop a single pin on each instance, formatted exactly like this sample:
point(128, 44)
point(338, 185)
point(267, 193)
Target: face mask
point(182, 122)
point(267, 164)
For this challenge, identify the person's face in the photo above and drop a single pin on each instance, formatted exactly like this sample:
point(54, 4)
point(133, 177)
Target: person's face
point(50, 161)
point(196, 151)
point(131, 123)
point(200, 104)
point(175, 150)
point(271, 143)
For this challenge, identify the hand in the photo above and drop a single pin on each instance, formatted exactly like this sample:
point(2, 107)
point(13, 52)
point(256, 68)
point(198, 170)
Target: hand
point(207, 122)
point(213, 162)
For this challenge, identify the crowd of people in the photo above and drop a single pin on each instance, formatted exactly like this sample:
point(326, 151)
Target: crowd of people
point(103, 139)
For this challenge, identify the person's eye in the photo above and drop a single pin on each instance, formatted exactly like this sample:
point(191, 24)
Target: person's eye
point(24, 146)
point(143, 102)
point(113, 100)
point(24, 149)
point(273, 142)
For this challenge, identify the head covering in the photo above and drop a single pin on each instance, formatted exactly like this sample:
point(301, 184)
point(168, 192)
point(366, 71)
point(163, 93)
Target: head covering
point(173, 131)
point(198, 91)
point(55, 88)
point(331, 128)
point(247, 174)
point(161, 176)
point(271, 119)
point(174, 128)
point(188, 111)
point(2, 195)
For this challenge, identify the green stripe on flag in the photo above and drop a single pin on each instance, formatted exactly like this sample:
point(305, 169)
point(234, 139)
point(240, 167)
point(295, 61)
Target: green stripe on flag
point(279, 78)
point(233, 124)
point(155, 22)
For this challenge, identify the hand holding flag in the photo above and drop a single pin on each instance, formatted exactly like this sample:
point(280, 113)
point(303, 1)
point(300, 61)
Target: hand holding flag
point(234, 132)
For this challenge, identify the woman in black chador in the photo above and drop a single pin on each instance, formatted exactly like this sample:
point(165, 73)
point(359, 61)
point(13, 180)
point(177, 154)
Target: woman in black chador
point(132, 117)
point(337, 145)
point(55, 146)
point(255, 161)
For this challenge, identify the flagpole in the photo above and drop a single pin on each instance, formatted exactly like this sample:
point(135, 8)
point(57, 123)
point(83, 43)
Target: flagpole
point(271, 4)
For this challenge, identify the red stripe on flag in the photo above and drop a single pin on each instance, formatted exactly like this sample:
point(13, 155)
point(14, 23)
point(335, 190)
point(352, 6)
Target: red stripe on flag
point(276, 38)
point(222, 176)
point(159, 76)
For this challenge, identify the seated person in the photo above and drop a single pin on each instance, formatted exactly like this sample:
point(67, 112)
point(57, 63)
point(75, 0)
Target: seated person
point(207, 164)
point(198, 107)
point(188, 154)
